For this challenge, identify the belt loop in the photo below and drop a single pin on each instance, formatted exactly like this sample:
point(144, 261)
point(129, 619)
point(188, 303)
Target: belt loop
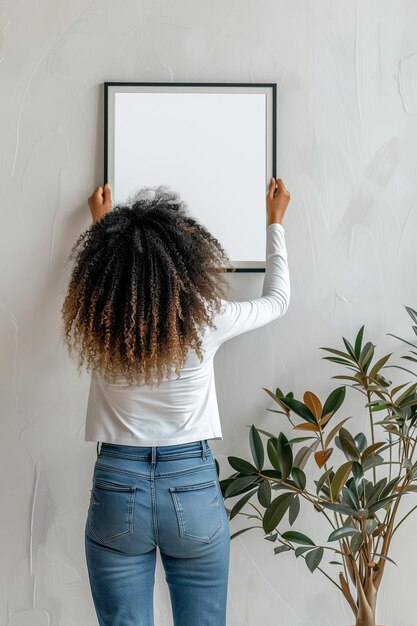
point(153, 454)
point(203, 449)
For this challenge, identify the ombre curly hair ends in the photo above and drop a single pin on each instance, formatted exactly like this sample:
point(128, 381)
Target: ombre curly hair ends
point(146, 278)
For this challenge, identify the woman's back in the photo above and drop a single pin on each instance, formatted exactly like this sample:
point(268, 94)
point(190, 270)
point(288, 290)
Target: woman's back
point(184, 409)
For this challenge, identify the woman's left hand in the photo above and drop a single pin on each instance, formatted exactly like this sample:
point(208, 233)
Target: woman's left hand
point(100, 202)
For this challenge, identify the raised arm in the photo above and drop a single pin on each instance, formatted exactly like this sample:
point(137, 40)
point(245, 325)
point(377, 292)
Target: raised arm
point(237, 317)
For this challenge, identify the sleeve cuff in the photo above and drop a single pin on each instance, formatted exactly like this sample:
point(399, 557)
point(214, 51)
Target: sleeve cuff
point(276, 225)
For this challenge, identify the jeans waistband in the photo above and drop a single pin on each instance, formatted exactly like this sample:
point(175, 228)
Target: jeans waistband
point(151, 453)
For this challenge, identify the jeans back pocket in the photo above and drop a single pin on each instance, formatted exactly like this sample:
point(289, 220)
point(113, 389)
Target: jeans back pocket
point(198, 510)
point(111, 509)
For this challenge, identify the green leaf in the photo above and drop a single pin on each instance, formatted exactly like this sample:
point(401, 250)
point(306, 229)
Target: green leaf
point(284, 452)
point(239, 485)
point(350, 498)
point(299, 439)
point(272, 537)
point(277, 399)
point(256, 447)
point(320, 482)
point(334, 432)
point(264, 493)
point(376, 491)
point(294, 510)
point(370, 525)
point(371, 449)
point(349, 348)
point(390, 487)
point(241, 503)
point(358, 478)
point(299, 478)
point(358, 342)
point(296, 537)
point(241, 465)
point(300, 409)
point(385, 558)
point(406, 394)
point(304, 454)
point(335, 400)
point(347, 444)
point(379, 505)
point(411, 312)
point(313, 558)
point(276, 511)
point(271, 473)
point(339, 361)
point(357, 483)
point(371, 462)
point(271, 450)
point(366, 355)
point(299, 551)
point(340, 478)
point(280, 549)
point(243, 530)
point(378, 365)
point(339, 533)
point(340, 508)
point(356, 542)
point(360, 441)
point(325, 492)
point(340, 353)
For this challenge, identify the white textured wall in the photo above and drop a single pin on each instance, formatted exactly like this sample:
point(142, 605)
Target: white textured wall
point(347, 94)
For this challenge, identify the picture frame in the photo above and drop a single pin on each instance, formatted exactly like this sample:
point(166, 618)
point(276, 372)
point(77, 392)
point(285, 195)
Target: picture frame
point(213, 143)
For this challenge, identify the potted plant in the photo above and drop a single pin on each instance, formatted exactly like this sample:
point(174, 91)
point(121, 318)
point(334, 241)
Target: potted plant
point(355, 482)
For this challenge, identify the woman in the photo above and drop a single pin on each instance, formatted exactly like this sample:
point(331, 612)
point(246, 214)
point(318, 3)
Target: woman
point(147, 286)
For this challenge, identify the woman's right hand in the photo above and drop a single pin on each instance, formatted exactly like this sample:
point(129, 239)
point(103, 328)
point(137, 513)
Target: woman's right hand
point(277, 200)
point(100, 202)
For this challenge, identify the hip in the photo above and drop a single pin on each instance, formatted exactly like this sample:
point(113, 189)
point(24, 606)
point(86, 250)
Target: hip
point(171, 494)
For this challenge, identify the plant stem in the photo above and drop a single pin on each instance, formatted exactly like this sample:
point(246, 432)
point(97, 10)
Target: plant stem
point(371, 421)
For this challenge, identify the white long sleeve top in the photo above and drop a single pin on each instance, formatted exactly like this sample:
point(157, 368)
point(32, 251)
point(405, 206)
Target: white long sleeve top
point(185, 409)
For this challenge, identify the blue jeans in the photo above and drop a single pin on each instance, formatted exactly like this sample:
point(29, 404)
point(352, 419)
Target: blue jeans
point(165, 496)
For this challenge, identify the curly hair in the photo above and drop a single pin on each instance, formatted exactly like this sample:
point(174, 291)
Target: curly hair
point(146, 278)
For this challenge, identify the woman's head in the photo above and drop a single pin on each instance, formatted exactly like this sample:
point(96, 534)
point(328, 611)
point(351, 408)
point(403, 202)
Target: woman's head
point(146, 278)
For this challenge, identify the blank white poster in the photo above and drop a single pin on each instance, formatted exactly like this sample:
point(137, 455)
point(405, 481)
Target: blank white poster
point(210, 148)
